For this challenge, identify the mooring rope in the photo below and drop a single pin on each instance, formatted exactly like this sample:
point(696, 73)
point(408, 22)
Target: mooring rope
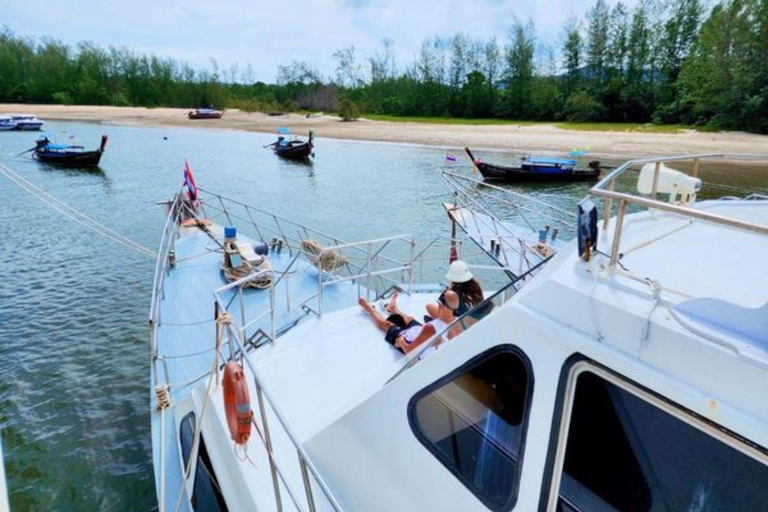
point(74, 215)
point(324, 259)
point(233, 274)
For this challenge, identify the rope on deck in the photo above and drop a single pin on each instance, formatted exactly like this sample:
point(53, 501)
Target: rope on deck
point(232, 273)
point(74, 215)
point(324, 259)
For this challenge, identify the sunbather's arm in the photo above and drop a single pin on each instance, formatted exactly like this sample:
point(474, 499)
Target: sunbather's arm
point(426, 332)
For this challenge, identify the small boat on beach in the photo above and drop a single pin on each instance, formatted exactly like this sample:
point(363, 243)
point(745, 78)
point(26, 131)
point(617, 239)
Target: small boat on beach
point(537, 169)
point(7, 123)
point(27, 122)
point(68, 155)
point(20, 122)
point(292, 148)
point(205, 113)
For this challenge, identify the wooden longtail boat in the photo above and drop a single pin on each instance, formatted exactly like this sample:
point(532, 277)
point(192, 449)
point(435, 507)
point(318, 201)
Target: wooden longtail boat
point(294, 149)
point(67, 155)
point(534, 169)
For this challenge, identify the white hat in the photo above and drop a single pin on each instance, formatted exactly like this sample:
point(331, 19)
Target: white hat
point(458, 273)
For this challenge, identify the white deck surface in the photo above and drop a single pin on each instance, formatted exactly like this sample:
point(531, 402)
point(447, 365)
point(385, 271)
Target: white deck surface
point(316, 372)
point(324, 367)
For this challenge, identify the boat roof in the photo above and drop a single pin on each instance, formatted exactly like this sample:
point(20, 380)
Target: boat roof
point(687, 297)
point(61, 146)
point(551, 160)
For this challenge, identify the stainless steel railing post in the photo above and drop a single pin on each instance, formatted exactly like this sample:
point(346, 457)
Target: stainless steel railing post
point(307, 483)
point(608, 205)
point(617, 232)
point(268, 442)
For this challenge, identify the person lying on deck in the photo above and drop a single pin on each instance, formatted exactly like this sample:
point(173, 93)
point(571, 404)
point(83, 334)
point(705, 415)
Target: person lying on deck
point(404, 332)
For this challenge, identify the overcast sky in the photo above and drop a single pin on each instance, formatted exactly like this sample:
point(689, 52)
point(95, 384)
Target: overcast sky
point(270, 33)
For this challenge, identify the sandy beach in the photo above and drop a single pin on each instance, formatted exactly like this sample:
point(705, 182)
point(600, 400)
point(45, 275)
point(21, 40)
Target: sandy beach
point(538, 137)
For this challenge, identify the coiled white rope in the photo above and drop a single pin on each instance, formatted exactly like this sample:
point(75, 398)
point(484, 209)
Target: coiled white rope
point(324, 259)
point(233, 274)
point(74, 215)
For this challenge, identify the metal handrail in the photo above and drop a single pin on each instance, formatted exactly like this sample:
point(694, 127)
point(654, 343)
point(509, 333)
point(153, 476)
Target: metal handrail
point(158, 286)
point(292, 243)
point(263, 396)
point(605, 189)
point(471, 190)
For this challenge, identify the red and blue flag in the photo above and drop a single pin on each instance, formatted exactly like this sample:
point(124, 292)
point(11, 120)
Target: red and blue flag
point(189, 181)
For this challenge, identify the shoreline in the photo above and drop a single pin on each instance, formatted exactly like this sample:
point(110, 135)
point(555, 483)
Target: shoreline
point(540, 137)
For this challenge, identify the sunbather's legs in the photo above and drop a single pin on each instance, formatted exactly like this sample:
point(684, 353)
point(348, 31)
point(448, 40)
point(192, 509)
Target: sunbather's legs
point(378, 319)
point(392, 309)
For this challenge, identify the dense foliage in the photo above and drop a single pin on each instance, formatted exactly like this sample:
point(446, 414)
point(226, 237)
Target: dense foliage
point(661, 62)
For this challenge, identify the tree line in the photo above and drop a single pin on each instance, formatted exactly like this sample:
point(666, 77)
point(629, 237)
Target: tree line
point(662, 61)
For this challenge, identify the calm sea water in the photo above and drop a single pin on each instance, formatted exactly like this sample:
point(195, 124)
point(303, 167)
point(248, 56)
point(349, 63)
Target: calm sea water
point(74, 361)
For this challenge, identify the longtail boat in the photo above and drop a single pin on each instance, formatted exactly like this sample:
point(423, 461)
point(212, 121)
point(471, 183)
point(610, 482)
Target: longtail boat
point(537, 169)
point(68, 155)
point(293, 148)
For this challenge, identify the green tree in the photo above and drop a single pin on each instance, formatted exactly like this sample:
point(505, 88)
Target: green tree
point(597, 46)
point(519, 74)
point(721, 79)
point(572, 56)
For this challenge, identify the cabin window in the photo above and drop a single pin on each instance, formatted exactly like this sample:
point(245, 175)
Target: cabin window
point(474, 420)
point(206, 493)
point(625, 453)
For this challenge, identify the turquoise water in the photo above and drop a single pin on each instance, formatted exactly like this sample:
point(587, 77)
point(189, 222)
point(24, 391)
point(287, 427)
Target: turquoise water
point(74, 361)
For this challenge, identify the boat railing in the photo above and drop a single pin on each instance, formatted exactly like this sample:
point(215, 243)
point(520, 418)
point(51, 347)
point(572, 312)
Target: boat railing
point(235, 335)
point(512, 247)
point(485, 195)
point(376, 266)
point(164, 261)
point(606, 189)
point(291, 235)
point(373, 273)
point(245, 323)
point(471, 317)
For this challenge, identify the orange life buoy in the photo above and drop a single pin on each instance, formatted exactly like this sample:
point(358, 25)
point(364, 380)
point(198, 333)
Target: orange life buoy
point(237, 402)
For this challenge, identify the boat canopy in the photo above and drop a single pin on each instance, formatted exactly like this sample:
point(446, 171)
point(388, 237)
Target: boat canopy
point(60, 146)
point(552, 161)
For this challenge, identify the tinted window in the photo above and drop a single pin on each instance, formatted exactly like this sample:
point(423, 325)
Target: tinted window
point(624, 454)
point(206, 494)
point(474, 421)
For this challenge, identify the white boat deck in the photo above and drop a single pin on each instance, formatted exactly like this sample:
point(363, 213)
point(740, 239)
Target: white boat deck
point(317, 370)
point(187, 328)
point(324, 367)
